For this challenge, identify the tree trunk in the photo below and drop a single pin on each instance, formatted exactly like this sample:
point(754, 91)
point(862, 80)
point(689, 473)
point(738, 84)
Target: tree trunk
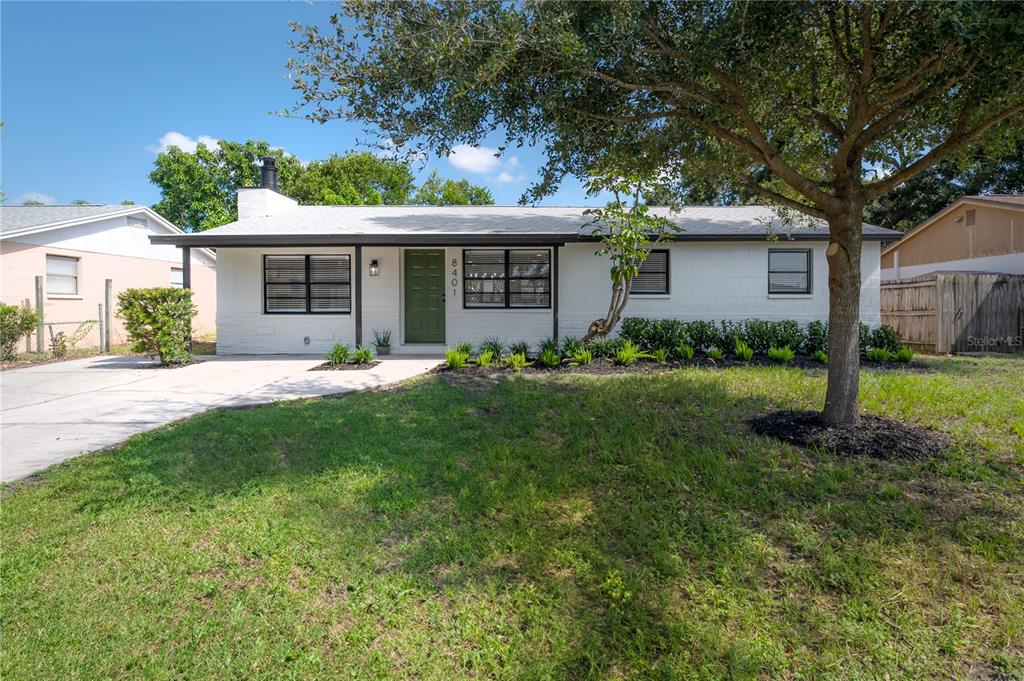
point(843, 254)
point(599, 328)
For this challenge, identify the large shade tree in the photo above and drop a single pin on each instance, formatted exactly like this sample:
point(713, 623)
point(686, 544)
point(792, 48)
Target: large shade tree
point(792, 101)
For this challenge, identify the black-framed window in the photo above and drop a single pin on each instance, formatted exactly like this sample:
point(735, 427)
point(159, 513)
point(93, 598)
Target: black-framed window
point(653, 275)
point(508, 278)
point(307, 284)
point(789, 270)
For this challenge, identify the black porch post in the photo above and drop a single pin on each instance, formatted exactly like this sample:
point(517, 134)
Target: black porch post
point(186, 266)
point(359, 295)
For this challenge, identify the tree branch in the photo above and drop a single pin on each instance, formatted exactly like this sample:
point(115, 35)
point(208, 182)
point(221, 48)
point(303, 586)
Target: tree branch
point(753, 185)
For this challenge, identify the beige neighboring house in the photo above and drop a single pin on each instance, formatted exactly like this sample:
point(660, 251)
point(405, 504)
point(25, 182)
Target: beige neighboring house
point(972, 234)
point(76, 248)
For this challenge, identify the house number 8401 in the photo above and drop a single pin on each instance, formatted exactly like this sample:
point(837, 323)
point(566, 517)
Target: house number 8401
point(455, 276)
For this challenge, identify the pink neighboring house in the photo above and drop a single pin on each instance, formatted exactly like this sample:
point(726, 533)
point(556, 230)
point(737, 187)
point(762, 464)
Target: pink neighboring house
point(76, 248)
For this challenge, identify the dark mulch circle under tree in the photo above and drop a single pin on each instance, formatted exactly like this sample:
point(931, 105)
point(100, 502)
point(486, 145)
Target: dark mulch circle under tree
point(347, 366)
point(873, 436)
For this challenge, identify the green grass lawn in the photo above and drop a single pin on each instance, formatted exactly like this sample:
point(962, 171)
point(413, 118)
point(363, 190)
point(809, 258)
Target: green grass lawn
point(551, 527)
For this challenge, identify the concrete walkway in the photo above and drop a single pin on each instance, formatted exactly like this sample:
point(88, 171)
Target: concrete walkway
point(52, 412)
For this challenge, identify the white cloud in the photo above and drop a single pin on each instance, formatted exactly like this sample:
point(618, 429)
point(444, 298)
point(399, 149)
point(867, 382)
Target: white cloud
point(183, 142)
point(512, 162)
point(474, 159)
point(504, 177)
point(35, 196)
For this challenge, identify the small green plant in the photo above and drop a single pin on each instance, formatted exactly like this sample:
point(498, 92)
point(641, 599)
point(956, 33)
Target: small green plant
point(362, 355)
point(582, 357)
point(905, 354)
point(742, 351)
point(465, 348)
point(339, 354)
point(493, 346)
point(571, 345)
point(455, 359)
point(660, 355)
point(604, 347)
point(714, 353)
point(783, 354)
point(519, 348)
point(549, 358)
point(15, 323)
point(485, 359)
point(382, 339)
point(547, 344)
point(58, 344)
point(627, 354)
point(516, 361)
point(821, 356)
point(879, 355)
point(684, 351)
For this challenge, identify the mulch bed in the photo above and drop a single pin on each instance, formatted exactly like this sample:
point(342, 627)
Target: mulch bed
point(873, 436)
point(348, 366)
point(603, 366)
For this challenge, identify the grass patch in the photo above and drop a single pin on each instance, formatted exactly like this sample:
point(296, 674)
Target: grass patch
point(556, 526)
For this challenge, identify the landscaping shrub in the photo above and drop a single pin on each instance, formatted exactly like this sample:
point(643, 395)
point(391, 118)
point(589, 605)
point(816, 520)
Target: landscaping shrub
point(742, 351)
point(821, 356)
point(703, 335)
point(714, 353)
point(816, 339)
point(879, 355)
point(684, 351)
point(493, 346)
point(519, 348)
point(15, 323)
point(783, 354)
point(158, 321)
point(571, 345)
point(455, 359)
point(465, 348)
point(887, 338)
point(339, 354)
point(627, 354)
point(362, 355)
point(659, 355)
point(485, 359)
point(516, 361)
point(905, 354)
point(605, 347)
point(863, 337)
point(649, 334)
point(582, 357)
point(549, 358)
point(547, 344)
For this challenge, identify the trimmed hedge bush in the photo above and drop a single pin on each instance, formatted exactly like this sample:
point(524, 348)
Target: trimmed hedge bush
point(158, 321)
point(759, 334)
point(15, 323)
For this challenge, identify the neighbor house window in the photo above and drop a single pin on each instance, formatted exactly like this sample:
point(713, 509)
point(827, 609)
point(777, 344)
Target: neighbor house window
point(307, 284)
point(653, 276)
point(789, 271)
point(177, 278)
point(61, 275)
point(970, 217)
point(510, 278)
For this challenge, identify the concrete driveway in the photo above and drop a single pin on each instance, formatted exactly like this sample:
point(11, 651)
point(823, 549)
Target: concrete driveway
point(52, 412)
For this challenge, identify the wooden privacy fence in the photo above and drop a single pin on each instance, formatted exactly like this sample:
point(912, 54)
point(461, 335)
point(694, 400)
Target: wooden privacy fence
point(945, 312)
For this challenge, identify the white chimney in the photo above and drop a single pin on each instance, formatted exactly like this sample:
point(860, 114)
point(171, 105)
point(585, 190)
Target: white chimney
point(264, 200)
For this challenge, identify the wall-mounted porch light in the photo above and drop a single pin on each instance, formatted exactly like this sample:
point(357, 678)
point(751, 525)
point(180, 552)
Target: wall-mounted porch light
point(374, 268)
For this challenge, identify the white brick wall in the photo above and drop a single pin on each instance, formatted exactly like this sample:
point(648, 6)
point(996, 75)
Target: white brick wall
point(709, 281)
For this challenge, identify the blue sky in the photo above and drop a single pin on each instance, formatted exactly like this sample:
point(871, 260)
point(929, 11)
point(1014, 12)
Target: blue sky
point(89, 91)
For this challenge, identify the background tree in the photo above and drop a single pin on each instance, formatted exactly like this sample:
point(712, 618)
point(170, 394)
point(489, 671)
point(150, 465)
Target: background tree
point(32, 202)
point(355, 178)
point(79, 202)
point(925, 195)
point(199, 190)
point(791, 101)
point(436, 191)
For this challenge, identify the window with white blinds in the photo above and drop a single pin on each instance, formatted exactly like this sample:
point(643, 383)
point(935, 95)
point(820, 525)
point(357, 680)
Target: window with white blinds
point(307, 284)
point(509, 278)
point(61, 275)
point(653, 275)
point(177, 277)
point(789, 271)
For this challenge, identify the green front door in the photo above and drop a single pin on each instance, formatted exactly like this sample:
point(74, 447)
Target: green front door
point(424, 296)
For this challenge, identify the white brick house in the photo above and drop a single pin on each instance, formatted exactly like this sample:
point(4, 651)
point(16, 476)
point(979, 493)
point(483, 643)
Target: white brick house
point(297, 279)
